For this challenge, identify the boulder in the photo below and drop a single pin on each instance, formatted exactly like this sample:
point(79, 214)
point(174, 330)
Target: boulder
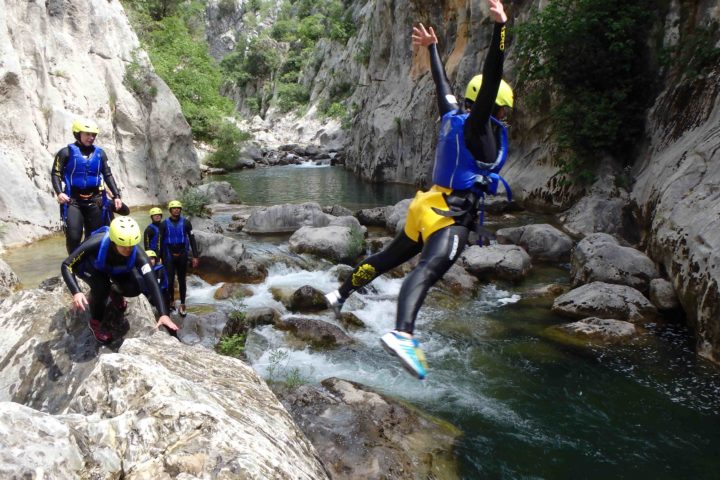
point(541, 242)
point(604, 330)
point(217, 192)
point(605, 300)
point(599, 257)
point(307, 299)
point(205, 329)
point(318, 333)
point(225, 259)
point(337, 244)
point(285, 218)
point(396, 215)
point(662, 294)
point(372, 217)
point(496, 261)
point(8, 280)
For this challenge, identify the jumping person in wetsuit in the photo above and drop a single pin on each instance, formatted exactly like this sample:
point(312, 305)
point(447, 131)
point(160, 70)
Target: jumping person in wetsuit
point(176, 239)
point(111, 259)
point(82, 167)
point(151, 237)
point(471, 148)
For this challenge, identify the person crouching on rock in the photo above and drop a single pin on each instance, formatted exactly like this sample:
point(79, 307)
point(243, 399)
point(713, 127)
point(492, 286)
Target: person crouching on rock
point(106, 261)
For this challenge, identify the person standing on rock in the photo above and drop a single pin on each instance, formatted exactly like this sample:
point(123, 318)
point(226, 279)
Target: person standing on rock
point(151, 237)
point(176, 240)
point(109, 262)
point(82, 167)
point(472, 147)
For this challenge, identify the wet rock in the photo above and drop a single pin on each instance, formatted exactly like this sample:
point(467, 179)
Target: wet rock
point(604, 300)
point(338, 211)
point(458, 281)
point(662, 294)
point(317, 332)
point(307, 299)
point(496, 261)
point(348, 221)
point(205, 329)
point(244, 163)
point(541, 242)
point(360, 433)
point(603, 330)
point(377, 244)
point(232, 290)
point(350, 321)
point(599, 257)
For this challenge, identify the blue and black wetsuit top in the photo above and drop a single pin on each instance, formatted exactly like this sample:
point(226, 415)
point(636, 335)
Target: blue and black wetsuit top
point(151, 237)
point(82, 169)
point(474, 143)
point(95, 256)
point(176, 237)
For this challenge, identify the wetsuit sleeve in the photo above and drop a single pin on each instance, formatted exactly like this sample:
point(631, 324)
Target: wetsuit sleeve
point(445, 98)
point(61, 159)
point(83, 251)
point(147, 236)
point(143, 265)
point(108, 177)
point(485, 102)
point(191, 237)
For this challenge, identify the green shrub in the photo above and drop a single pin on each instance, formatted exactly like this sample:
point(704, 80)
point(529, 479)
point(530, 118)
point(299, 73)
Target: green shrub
point(232, 346)
point(362, 56)
point(193, 203)
point(139, 80)
point(228, 145)
point(590, 58)
point(279, 371)
point(290, 96)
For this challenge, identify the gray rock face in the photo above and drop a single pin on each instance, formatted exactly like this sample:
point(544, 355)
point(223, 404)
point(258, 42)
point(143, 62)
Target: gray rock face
point(8, 279)
point(372, 217)
point(359, 433)
point(599, 257)
point(285, 218)
point(56, 68)
point(604, 300)
point(496, 261)
point(541, 242)
point(204, 330)
point(662, 294)
point(396, 215)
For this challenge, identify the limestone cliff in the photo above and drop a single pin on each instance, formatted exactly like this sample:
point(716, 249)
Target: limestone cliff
point(64, 59)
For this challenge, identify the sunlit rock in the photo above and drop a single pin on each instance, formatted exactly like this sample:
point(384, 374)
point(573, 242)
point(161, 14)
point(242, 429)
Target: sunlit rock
point(604, 300)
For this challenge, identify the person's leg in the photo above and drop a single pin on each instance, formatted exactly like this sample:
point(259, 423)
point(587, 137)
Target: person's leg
point(170, 268)
point(399, 251)
point(99, 291)
point(441, 250)
point(74, 227)
point(92, 216)
point(181, 268)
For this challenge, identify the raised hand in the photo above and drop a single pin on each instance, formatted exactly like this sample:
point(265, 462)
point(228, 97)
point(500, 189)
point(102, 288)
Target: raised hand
point(497, 12)
point(423, 37)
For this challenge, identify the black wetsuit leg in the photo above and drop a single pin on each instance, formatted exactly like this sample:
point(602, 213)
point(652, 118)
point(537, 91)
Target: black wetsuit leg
point(99, 283)
point(180, 264)
point(441, 250)
point(170, 269)
point(129, 284)
point(400, 250)
point(81, 214)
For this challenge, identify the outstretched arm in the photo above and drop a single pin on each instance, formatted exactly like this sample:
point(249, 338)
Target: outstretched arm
point(426, 38)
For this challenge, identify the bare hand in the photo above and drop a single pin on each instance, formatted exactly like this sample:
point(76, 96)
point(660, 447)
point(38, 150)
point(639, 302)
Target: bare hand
point(423, 37)
point(79, 301)
point(62, 198)
point(195, 262)
point(166, 321)
point(497, 12)
point(118, 204)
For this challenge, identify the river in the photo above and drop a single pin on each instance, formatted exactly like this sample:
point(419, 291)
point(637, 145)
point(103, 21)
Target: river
point(529, 407)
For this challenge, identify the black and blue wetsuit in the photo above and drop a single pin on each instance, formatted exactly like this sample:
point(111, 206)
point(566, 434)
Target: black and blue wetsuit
point(99, 265)
point(82, 170)
point(440, 239)
point(176, 240)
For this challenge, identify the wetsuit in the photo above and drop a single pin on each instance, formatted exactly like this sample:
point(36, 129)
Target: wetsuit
point(151, 237)
point(162, 281)
point(83, 170)
point(176, 239)
point(438, 238)
point(97, 263)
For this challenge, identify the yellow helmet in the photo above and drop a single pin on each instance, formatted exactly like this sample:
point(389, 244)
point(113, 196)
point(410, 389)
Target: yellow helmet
point(504, 96)
point(174, 204)
point(151, 253)
point(155, 211)
point(84, 125)
point(125, 231)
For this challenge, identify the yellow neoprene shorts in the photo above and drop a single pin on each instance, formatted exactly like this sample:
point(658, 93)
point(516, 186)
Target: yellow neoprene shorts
point(421, 220)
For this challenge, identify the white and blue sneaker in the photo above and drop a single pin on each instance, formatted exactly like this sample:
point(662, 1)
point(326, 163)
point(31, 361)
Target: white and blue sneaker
point(408, 351)
point(335, 301)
